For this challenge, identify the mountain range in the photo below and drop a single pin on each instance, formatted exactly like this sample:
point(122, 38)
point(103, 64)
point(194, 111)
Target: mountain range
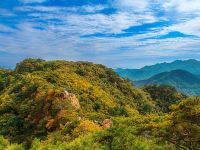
point(191, 65)
point(184, 81)
point(182, 74)
point(47, 105)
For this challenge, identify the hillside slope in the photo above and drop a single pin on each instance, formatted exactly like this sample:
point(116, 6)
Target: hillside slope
point(192, 66)
point(184, 81)
point(49, 105)
point(44, 96)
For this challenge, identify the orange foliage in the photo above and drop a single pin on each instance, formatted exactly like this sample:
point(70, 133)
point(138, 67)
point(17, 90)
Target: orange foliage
point(50, 123)
point(50, 93)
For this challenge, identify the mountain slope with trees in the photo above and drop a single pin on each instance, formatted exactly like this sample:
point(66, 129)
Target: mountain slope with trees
point(40, 97)
point(80, 105)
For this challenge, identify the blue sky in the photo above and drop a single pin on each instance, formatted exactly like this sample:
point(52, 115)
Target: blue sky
point(116, 33)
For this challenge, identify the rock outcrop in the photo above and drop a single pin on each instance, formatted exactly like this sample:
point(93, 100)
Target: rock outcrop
point(107, 123)
point(72, 99)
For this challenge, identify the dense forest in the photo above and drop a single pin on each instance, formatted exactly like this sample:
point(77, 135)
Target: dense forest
point(47, 105)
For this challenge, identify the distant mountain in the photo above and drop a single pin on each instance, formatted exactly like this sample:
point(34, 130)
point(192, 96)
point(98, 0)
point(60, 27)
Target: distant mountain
point(184, 81)
point(191, 65)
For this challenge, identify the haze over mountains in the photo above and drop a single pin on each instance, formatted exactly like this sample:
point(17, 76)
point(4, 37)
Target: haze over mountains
point(191, 65)
point(184, 81)
point(182, 74)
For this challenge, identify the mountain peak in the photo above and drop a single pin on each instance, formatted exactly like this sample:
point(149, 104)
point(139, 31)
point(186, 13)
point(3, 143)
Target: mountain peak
point(193, 60)
point(185, 61)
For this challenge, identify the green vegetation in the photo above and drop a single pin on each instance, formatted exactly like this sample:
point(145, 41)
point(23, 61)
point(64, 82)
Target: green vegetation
point(64, 105)
point(6, 145)
point(164, 96)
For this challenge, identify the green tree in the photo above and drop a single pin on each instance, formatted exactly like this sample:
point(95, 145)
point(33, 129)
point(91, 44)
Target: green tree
point(164, 96)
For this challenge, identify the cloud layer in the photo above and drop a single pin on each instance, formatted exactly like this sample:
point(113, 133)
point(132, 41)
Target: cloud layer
point(117, 33)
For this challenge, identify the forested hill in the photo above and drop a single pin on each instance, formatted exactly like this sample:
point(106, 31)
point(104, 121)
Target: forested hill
point(40, 96)
point(80, 105)
point(191, 65)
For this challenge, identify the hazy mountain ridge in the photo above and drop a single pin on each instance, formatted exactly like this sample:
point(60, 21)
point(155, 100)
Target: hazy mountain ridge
point(191, 65)
point(184, 75)
point(184, 81)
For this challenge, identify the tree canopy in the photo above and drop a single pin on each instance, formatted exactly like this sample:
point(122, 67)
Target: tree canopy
point(81, 105)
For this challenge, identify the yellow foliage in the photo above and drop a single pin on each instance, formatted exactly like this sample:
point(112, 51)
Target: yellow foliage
point(131, 111)
point(62, 114)
point(86, 126)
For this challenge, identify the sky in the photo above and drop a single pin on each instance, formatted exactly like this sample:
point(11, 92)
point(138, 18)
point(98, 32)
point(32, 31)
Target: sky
point(116, 33)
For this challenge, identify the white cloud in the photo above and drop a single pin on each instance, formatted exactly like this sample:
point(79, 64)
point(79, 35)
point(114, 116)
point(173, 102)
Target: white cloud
point(4, 28)
point(54, 33)
point(132, 5)
point(63, 42)
point(99, 23)
point(32, 1)
point(39, 9)
point(87, 23)
point(190, 27)
point(92, 9)
point(185, 16)
point(183, 6)
point(62, 9)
